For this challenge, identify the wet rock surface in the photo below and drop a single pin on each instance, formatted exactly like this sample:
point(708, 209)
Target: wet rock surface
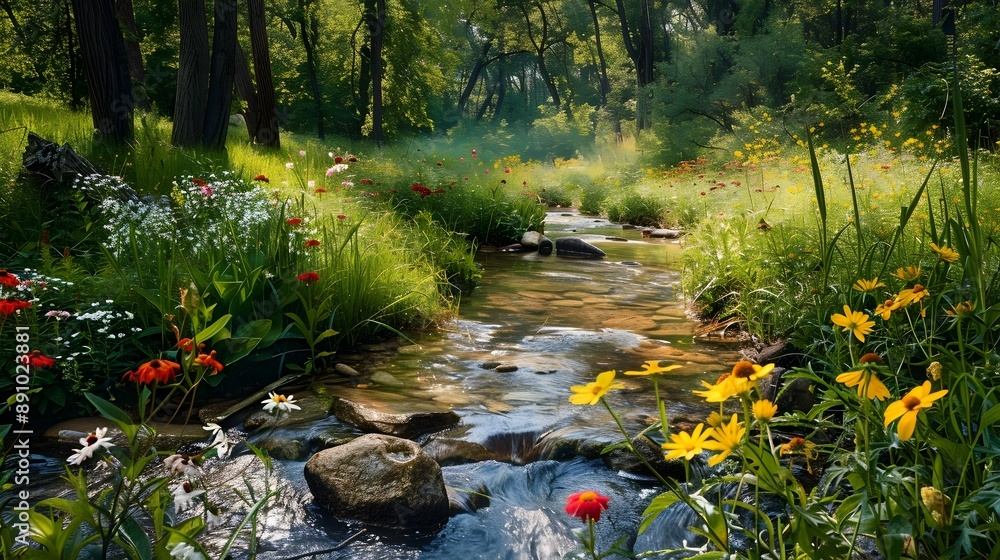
point(400, 424)
point(574, 247)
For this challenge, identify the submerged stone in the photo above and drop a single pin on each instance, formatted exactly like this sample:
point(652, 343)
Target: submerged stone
point(575, 247)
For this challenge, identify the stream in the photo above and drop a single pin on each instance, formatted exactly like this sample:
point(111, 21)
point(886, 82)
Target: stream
point(549, 322)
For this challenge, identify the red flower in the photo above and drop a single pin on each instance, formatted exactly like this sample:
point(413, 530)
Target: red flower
point(38, 360)
point(199, 182)
point(506, 170)
point(8, 279)
point(293, 221)
point(160, 371)
point(420, 189)
point(312, 243)
point(341, 217)
point(338, 159)
point(209, 361)
point(308, 277)
point(586, 505)
point(11, 305)
point(320, 190)
point(352, 159)
point(702, 193)
point(367, 182)
point(437, 191)
point(524, 183)
point(262, 178)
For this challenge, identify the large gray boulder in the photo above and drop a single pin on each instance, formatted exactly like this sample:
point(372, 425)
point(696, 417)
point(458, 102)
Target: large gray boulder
point(531, 239)
point(381, 480)
point(399, 424)
point(577, 248)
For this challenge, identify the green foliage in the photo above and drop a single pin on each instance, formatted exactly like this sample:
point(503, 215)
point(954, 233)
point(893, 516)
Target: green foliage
point(638, 210)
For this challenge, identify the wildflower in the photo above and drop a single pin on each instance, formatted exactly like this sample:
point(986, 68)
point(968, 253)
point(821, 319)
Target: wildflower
point(220, 441)
point(341, 217)
point(8, 279)
point(308, 278)
point(184, 551)
point(184, 495)
point(586, 505)
point(178, 463)
point(687, 445)
point(911, 295)
point(199, 182)
point(908, 274)
point(293, 221)
point(420, 189)
point(725, 439)
point(59, 315)
point(714, 419)
point(302, 153)
point(866, 377)
point(961, 309)
point(212, 519)
point(38, 360)
point(320, 190)
point(947, 254)
point(91, 444)
point(160, 371)
point(886, 309)
point(279, 404)
point(907, 408)
point(186, 344)
point(934, 370)
point(764, 410)
point(651, 367)
point(800, 446)
point(262, 178)
point(347, 184)
point(863, 285)
point(311, 184)
point(209, 361)
point(592, 392)
point(312, 243)
point(9, 306)
point(854, 322)
point(289, 165)
point(937, 503)
point(352, 159)
point(367, 182)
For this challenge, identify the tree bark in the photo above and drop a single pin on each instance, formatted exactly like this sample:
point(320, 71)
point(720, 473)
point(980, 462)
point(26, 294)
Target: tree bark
point(111, 100)
point(247, 92)
point(221, 76)
point(463, 98)
point(126, 17)
point(267, 129)
point(376, 28)
point(192, 73)
point(605, 83)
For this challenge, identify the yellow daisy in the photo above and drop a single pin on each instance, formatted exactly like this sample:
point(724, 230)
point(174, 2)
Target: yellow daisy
point(854, 322)
point(886, 309)
point(592, 392)
point(945, 253)
point(863, 285)
point(651, 367)
point(725, 439)
point(687, 445)
point(907, 408)
point(908, 273)
point(911, 295)
point(764, 410)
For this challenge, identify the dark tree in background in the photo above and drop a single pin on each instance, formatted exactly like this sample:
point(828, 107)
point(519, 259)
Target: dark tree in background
point(375, 17)
point(192, 74)
point(221, 76)
point(106, 68)
point(266, 133)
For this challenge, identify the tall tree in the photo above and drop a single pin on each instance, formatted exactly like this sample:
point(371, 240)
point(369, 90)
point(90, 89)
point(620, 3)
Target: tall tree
point(126, 17)
point(375, 17)
point(192, 74)
point(305, 17)
point(221, 76)
point(106, 68)
point(267, 124)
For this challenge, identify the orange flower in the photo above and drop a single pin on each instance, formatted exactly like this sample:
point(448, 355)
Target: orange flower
point(886, 309)
point(8, 279)
point(312, 243)
point(262, 178)
point(160, 371)
point(12, 305)
point(586, 505)
point(209, 361)
point(293, 221)
point(911, 295)
point(38, 360)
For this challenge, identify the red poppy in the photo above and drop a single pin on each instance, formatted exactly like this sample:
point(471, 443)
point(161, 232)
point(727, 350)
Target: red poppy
point(352, 159)
point(293, 221)
point(308, 277)
point(160, 371)
point(209, 361)
point(320, 190)
point(586, 505)
point(8, 279)
point(38, 360)
point(312, 243)
point(338, 159)
point(341, 217)
point(262, 178)
point(420, 189)
point(11, 305)
point(199, 182)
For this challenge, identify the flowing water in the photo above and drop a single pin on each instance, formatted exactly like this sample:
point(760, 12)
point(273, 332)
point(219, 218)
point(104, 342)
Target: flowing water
point(559, 322)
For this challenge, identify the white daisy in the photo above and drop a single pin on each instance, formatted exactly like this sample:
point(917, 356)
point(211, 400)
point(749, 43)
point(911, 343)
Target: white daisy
point(184, 495)
point(221, 441)
point(279, 404)
point(184, 551)
point(90, 444)
point(182, 464)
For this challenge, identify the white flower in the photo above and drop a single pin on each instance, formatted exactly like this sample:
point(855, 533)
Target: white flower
point(221, 441)
point(184, 495)
point(279, 404)
point(289, 165)
point(90, 444)
point(181, 464)
point(311, 184)
point(184, 551)
point(211, 519)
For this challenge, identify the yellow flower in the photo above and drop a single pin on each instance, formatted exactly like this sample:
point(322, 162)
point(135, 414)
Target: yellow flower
point(937, 503)
point(862, 377)
point(907, 408)
point(934, 370)
point(725, 438)
point(947, 254)
point(863, 285)
point(911, 295)
point(799, 446)
point(745, 369)
point(854, 322)
point(907, 274)
point(714, 419)
point(652, 366)
point(886, 309)
point(961, 309)
point(591, 393)
point(687, 445)
point(743, 377)
point(764, 410)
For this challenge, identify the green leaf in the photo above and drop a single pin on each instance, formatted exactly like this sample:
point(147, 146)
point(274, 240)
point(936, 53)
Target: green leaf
point(135, 538)
point(115, 414)
point(653, 510)
point(208, 332)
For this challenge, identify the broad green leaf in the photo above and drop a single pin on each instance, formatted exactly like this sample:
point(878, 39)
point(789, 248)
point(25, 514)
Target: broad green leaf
point(655, 507)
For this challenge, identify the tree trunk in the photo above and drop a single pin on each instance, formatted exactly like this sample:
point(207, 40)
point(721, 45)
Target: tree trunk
point(267, 129)
point(501, 93)
point(192, 73)
point(221, 76)
point(376, 28)
point(111, 100)
point(605, 83)
point(313, 79)
point(75, 96)
point(247, 92)
point(463, 98)
point(126, 17)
